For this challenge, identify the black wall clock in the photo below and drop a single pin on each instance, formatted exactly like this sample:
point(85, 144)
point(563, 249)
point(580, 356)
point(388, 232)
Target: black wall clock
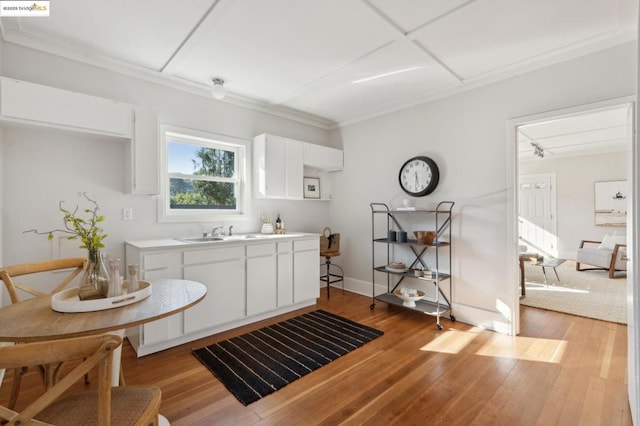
point(419, 176)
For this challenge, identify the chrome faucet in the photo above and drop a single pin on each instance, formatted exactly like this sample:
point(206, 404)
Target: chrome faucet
point(230, 230)
point(215, 233)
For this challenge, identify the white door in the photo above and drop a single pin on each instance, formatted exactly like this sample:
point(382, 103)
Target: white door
point(536, 213)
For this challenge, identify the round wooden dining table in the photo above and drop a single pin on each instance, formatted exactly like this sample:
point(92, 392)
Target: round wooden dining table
point(33, 320)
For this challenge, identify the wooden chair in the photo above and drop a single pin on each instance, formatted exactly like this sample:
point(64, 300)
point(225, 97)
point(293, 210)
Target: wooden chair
point(107, 405)
point(8, 274)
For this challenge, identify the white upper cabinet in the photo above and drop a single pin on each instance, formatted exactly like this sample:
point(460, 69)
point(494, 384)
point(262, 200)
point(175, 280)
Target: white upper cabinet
point(37, 105)
point(279, 165)
point(278, 168)
point(30, 103)
point(144, 156)
point(322, 157)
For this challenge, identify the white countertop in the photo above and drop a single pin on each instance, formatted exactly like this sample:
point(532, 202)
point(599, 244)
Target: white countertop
point(226, 240)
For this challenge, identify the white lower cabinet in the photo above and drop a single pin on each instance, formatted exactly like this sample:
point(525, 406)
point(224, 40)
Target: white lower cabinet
point(285, 273)
point(306, 270)
point(262, 290)
point(156, 265)
point(245, 282)
point(223, 275)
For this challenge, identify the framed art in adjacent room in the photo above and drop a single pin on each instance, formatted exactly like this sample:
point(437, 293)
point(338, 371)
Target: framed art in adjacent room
point(611, 203)
point(311, 187)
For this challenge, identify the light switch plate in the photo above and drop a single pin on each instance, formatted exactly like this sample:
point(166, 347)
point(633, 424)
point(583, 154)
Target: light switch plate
point(127, 213)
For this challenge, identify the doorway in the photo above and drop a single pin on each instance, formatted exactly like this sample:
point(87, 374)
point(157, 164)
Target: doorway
point(633, 205)
point(546, 135)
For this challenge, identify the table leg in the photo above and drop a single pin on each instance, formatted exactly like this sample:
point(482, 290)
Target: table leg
point(556, 272)
point(117, 357)
point(544, 272)
point(115, 374)
point(523, 291)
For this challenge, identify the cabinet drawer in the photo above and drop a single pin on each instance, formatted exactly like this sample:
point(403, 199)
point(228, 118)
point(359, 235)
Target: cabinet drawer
point(284, 246)
point(306, 245)
point(254, 250)
point(154, 261)
point(212, 255)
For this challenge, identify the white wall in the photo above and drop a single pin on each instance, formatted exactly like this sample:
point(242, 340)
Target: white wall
point(41, 166)
point(466, 135)
point(575, 177)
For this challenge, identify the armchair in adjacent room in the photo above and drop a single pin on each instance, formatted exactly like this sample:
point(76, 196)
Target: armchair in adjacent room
point(608, 254)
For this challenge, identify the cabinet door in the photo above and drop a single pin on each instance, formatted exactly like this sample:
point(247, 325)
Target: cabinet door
point(143, 157)
point(225, 299)
point(165, 328)
point(159, 265)
point(278, 168)
point(275, 167)
point(294, 169)
point(261, 284)
point(285, 273)
point(306, 274)
point(53, 107)
point(322, 157)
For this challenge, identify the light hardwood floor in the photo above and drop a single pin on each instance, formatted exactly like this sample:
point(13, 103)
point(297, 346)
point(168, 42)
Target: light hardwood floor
point(561, 370)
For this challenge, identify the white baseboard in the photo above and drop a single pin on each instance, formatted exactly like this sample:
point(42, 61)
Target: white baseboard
point(487, 319)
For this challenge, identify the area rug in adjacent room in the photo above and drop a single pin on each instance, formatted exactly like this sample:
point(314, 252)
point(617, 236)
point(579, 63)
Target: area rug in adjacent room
point(258, 363)
point(587, 293)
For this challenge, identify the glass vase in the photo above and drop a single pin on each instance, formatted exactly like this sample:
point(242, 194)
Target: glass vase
point(95, 281)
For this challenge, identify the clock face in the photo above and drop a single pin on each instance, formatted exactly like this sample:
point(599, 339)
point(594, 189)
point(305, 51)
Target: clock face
point(419, 176)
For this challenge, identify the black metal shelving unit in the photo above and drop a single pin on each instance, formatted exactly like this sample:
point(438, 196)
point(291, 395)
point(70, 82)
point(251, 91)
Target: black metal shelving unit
point(441, 217)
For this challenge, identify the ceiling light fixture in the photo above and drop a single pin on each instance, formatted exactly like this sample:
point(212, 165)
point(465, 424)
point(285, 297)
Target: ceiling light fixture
point(218, 91)
point(538, 150)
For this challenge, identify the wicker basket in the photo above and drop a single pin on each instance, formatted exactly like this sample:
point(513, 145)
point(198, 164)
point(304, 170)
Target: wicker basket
point(329, 242)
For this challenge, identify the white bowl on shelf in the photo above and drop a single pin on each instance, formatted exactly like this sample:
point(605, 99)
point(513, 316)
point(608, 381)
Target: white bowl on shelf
point(409, 301)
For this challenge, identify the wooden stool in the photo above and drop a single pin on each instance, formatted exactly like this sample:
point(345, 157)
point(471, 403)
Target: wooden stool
point(331, 277)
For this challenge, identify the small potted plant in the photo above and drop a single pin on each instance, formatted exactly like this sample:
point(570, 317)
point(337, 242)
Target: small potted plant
point(267, 225)
point(88, 230)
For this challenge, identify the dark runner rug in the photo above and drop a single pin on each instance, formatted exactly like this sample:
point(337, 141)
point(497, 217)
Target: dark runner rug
point(258, 363)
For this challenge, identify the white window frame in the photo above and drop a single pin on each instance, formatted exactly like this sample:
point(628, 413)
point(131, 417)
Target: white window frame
point(210, 140)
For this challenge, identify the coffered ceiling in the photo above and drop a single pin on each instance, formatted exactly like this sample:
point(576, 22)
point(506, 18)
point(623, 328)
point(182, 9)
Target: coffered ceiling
point(594, 132)
point(329, 62)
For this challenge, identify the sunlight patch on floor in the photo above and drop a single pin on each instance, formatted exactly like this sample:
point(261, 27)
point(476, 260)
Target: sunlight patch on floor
point(500, 346)
point(531, 287)
point(452, 341)
point(524, 348)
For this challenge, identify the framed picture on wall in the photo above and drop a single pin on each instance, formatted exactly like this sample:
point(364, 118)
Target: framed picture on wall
point(311, 187)
point(611, 203)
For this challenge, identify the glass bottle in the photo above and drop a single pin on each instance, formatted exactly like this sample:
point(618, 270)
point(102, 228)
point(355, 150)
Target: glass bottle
point(278, 223)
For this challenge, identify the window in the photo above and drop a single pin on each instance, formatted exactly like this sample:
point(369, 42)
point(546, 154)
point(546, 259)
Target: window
point(204, 176)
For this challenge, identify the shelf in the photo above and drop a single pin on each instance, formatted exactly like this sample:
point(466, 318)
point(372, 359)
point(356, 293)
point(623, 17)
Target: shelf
point(426, 306)
point(409, 273)
point(439, 252)
point(412, 242)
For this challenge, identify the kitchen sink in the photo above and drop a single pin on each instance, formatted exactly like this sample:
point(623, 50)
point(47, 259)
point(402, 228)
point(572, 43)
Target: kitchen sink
point(236, 237)
point(201, 239)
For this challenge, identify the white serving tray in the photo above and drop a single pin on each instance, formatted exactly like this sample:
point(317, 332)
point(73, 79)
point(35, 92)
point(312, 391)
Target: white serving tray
point(68, 300)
